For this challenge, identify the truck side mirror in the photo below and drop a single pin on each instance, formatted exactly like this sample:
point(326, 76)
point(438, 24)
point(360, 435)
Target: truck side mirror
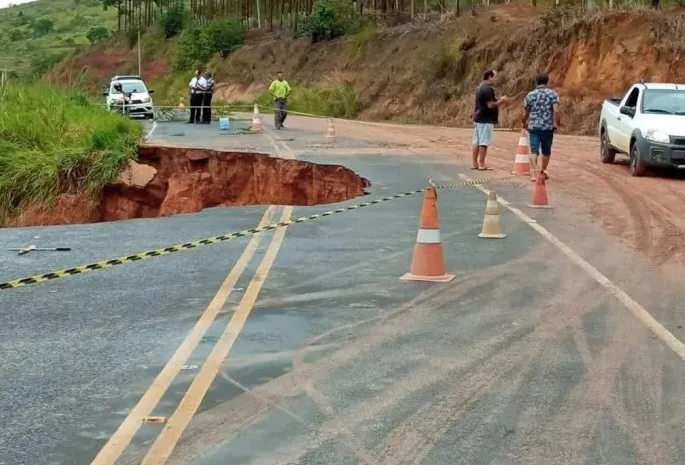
point(150, 91)
point(629, 111)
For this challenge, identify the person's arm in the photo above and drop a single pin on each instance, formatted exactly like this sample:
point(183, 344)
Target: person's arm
point(492, 101)
point(288, 89)
point(526, 112)
point(555, 112)
point(271, 89)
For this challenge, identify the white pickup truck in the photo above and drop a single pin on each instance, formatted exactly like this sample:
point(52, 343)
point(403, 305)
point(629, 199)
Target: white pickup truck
point(648, 125)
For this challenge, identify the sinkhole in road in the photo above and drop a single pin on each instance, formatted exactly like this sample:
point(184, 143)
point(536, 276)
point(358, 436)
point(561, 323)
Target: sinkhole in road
point(169, 180)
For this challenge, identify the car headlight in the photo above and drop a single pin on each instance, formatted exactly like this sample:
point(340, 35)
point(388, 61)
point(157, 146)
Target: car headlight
point(657, 136)
point(147, 100)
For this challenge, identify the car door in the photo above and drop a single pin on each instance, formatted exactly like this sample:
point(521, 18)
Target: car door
point(624, 123)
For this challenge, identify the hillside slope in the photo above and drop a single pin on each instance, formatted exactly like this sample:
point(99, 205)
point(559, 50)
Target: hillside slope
point(427, 73)
point(35, 35)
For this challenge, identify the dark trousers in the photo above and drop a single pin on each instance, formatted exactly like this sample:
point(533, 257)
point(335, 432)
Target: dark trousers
point(207, 107)
point(281, 112)
point(195, 104)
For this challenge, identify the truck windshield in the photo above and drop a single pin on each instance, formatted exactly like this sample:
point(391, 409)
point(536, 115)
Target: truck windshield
point(664, 101)
point(131, 87)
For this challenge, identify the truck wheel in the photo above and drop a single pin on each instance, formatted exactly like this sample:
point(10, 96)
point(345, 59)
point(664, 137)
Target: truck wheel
point(606, 153)
point(637, 166)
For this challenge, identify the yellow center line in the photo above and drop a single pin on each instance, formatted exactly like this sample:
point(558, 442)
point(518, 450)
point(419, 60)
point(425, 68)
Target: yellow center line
point(122, 437)
point(166, 441)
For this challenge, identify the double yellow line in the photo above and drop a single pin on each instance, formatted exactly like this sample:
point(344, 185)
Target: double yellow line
point(166, 441)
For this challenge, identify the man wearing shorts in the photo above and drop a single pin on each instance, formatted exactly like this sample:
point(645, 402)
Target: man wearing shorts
point(541, 118)
point(485, 118)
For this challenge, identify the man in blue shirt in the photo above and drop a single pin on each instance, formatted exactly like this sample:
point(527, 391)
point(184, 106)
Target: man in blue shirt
point(541, 119)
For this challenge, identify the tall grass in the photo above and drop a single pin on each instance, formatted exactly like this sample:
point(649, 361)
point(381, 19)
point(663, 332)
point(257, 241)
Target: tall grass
point(54, 142)
point(321, 99)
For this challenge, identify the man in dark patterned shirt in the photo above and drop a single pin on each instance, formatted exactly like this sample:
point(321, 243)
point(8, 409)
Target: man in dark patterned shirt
point(541, 119)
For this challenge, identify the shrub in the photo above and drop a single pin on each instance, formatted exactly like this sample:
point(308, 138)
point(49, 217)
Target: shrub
point(194, 48)
point(331, 19)
point(173, 21)
point(53, 142)
point(197, 44)
point(225, 35)
point(359, 40)
point(42, 27)
point(42, 62)
point(97, 34)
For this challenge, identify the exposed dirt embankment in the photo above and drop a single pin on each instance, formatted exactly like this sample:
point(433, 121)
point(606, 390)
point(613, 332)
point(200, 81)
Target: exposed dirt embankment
point(172, 180)
point(427, 73)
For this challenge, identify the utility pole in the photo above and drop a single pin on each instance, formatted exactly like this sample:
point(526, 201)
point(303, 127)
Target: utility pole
point(140, 71)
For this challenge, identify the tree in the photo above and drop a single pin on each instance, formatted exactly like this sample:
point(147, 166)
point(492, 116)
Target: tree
point(97, 34)
point(194, 48)
point(173, 20)
point(225, 35)
point(43, 26)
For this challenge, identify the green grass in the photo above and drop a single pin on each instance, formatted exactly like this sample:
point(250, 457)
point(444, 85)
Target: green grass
point(24, 51)
point(359, 41)
point(54, 142)
point(330, 99)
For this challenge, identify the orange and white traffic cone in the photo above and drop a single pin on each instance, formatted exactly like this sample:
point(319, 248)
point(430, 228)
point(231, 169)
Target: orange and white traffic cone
point(428, 263)
point(522, 159)
point(256, 120)
point(540, 193)
point(181, 105)
point(330, 133)
point(491, 225)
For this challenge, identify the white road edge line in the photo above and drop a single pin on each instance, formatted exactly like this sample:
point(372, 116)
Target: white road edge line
point(635, 308)
point(152, 129)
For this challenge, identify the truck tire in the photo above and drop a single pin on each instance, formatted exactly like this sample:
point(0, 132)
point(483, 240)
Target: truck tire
point(637, 166)
point(606, 153)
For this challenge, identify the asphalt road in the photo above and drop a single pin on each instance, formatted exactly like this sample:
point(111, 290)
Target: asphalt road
point(523, 359)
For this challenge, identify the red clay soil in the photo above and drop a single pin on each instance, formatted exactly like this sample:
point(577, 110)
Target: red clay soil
point(171, 180)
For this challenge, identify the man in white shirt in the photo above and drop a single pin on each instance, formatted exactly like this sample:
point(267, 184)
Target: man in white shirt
point(196, 93)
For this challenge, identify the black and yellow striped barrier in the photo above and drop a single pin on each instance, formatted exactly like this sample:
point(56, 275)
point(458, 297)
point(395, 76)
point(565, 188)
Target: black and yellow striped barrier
point(101, 265)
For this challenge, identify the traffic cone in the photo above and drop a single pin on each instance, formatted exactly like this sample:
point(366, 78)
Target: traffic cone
point(428, 263)
point(540, 193)
point(330, 134)
point(181, 105)
point(522, 159)
point(256, 120)
point(491, 226)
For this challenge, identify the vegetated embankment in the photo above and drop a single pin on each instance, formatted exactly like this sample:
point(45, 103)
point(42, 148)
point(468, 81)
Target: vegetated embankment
point(54, 142)
point(427, 73)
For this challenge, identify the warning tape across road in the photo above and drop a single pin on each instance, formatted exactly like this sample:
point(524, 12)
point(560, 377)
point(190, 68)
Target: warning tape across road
point(101, 265)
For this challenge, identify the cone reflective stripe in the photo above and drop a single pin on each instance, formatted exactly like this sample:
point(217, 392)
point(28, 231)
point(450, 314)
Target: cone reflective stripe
point(330, 133)
point(256, 120)
point(491, 225)
point(540, 193)
point(428, 263)
point(522, 159)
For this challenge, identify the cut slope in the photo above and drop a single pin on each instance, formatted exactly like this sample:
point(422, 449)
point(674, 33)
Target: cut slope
point(427, 73)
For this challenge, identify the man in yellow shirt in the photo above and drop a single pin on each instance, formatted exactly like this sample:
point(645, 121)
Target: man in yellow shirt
point(279, 90)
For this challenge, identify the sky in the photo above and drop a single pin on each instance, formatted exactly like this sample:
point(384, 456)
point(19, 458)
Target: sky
point(6, 3)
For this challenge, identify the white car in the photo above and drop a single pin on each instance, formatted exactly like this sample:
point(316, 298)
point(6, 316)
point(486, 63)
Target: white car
point(648, 125)
point(141, 101)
